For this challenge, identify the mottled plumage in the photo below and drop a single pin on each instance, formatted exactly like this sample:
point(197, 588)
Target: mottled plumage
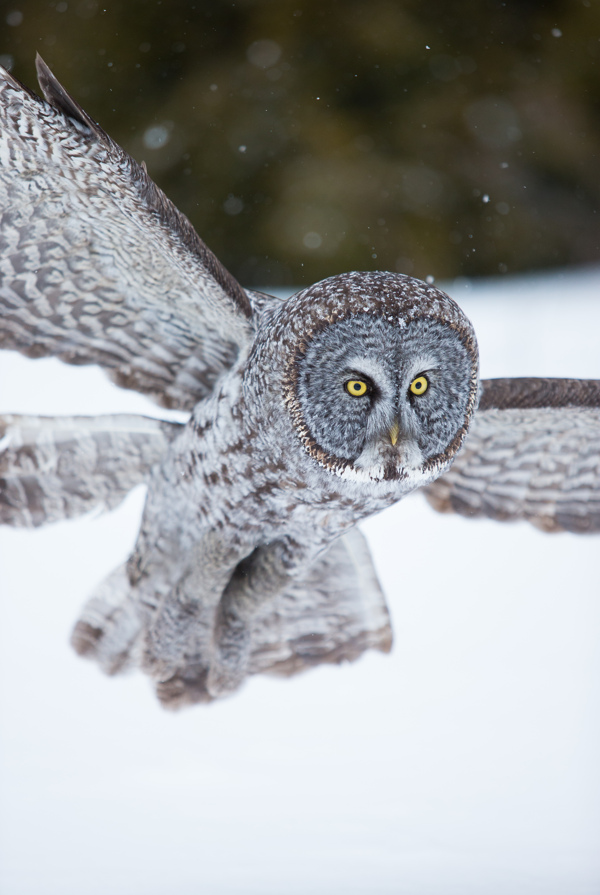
point(533, 453)
point(306, 416)
point(55, 468)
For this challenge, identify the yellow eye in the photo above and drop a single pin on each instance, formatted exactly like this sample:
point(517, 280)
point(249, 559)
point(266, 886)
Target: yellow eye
point(356, 387)
point(419, 385)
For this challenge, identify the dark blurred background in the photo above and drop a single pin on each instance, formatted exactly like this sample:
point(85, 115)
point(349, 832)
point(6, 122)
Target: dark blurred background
point(306, 137)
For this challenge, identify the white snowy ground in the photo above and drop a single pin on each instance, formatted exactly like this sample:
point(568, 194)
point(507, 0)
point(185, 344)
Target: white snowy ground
point(464, 763)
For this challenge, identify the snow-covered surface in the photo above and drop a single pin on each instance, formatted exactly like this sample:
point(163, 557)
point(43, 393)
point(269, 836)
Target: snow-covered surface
point(464, 763)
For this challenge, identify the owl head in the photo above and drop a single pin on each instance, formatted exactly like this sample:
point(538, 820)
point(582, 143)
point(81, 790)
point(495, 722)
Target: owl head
point(379, 376)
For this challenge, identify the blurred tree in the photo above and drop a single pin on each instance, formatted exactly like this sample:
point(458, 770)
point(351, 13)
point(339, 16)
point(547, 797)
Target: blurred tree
point(304, 138)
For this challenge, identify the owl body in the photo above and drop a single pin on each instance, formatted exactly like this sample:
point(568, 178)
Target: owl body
point(306, 416)
point(238, 458)
point(235, 512)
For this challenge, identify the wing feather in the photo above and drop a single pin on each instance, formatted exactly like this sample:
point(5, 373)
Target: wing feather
point(55, 468)
point(97, 265)
point(533, 452)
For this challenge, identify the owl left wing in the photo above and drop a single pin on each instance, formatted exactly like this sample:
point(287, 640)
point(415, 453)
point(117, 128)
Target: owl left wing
point(533, 452)
point(97, 265)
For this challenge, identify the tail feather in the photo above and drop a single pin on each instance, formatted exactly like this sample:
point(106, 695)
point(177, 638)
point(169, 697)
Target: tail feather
point(332, 615)
point(109, 625)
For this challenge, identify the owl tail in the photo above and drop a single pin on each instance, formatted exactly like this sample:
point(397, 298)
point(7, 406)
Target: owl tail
point(333, 614)
point(55, 468)
point(109, 626)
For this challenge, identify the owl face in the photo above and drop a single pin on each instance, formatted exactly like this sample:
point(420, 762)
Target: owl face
point(385, 387)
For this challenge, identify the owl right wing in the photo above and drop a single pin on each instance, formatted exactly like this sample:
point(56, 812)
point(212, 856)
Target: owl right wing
point(97, 265)
point(54, 468)
point(532, 452)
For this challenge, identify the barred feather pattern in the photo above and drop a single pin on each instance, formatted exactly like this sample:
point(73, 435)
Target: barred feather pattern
point(331, 615)
point(55, 468)
point(246, 561)
point(97, 265)
point(538, 464)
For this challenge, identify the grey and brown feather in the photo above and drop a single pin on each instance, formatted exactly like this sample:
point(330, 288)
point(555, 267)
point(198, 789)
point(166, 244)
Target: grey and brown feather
point(304, 419)
point(533, 453)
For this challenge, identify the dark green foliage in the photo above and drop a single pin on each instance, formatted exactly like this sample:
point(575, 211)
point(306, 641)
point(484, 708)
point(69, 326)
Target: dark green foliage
point(374, 132)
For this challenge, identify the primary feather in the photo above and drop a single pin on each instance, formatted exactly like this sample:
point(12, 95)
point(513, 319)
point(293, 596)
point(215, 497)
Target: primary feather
point(533, 453)
point(97, 265)
point(54, 468)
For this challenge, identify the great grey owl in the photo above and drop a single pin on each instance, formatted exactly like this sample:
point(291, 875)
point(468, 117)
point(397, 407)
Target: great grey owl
point(306, 415)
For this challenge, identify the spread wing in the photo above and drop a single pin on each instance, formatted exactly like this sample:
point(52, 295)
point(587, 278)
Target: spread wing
point(97, 265)
point(533, 452)
point(55, 468)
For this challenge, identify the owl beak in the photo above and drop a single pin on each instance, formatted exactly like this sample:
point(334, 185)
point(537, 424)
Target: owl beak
point(393, 432)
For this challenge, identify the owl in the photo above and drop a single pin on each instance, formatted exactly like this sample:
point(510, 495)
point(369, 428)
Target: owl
point(304, 417)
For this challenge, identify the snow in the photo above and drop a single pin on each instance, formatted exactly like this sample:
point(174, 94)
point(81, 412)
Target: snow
point(464, 762)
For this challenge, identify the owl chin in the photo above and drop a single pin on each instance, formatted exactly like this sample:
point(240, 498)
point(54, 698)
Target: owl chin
point(383, 460)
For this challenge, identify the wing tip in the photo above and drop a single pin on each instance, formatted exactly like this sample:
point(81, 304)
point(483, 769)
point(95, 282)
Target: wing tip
point(56, 95)
point(60, 100)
